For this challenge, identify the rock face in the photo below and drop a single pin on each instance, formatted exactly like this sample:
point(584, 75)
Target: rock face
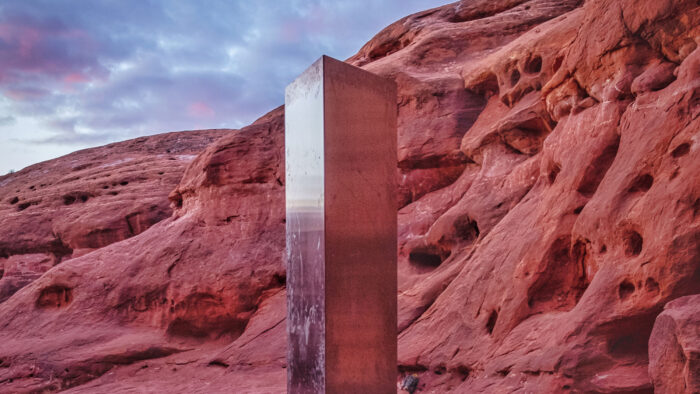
point(549, 210)
point(180, 292)
point(674, 347)
point(60, 209)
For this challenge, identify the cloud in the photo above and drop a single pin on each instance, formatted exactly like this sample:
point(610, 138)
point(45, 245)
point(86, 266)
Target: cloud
point(25, 93)
point(72, 137)
point(200, 110)
point(105, 70)
point(32, 49)
point(7, 120)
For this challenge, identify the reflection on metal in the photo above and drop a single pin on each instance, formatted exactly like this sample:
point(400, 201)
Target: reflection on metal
point(340, 124)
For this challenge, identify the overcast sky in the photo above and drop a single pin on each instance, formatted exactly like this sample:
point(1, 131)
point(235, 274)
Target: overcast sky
point(75, 74)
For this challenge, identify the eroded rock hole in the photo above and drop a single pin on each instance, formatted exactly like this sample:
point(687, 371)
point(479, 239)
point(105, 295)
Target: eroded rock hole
point(578, 210)
point(204, 315)
point(69, 199)
point(176, 199)
point(557, 63)
point(563, 280)
point(651, 286)
point(504, 371)
point(439, 370)
point(488, 87)
point(231, 218)
point(59, 249)
point(597, 169)
point(134, 223)
point(514, 77)
point(491, 322)
point(533, 65)
point(681, 150)
point(278, 280)
point(56, 296)
point(14, 200)
point(554, 171)
point(25, 205)
point(462, 371)
point(506, 100)
point(579, 255)
point(425, 259)
point(527, 137)
point(629, 339)
point(642, 183)
point(625, 289)
point(633, 243)
point(218, 363)
point(624, 345)
point(2, 273)
point(466, 229)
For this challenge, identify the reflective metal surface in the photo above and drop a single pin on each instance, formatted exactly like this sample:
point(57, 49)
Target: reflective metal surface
point(341, 230)
point(305, 236)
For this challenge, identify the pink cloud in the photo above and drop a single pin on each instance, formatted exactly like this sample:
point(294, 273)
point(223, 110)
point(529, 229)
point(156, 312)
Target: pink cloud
point(47, 49)
point(75, 78)
point(22, 94)
point(200, 109)
point(290, 32)
point(316, 21)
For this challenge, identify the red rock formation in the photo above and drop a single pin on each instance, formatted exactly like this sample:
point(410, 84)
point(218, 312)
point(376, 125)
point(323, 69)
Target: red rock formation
point(63, 208)
point(674, 347)
point(550, 204)
point(192, 281)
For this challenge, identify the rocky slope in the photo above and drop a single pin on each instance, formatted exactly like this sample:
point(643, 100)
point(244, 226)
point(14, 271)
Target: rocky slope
point(550, 209)
point(53, 211)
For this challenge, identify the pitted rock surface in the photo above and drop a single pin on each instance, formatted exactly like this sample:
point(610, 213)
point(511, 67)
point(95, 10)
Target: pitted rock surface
point(549, 210)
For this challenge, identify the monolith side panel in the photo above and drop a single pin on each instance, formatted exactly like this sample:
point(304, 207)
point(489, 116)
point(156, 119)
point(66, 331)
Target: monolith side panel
point(360, 232)
point(341, 230)
point(305, 237)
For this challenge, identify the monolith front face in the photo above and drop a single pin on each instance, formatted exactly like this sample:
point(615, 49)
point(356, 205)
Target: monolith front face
point(340, 130)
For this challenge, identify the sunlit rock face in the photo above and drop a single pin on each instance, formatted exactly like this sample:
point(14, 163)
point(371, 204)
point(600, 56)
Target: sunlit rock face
point(549, 210)
point(61, 209)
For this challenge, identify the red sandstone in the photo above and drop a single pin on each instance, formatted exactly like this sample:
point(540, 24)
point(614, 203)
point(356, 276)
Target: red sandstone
point(549, 221)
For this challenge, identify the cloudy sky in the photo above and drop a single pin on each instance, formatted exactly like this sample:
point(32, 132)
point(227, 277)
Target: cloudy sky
point(75, 74)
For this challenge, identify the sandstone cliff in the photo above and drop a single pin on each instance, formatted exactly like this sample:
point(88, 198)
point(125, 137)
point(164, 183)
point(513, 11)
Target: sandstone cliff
point(550, 209)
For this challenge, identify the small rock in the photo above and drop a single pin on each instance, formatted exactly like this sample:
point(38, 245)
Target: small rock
point(410, 383)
